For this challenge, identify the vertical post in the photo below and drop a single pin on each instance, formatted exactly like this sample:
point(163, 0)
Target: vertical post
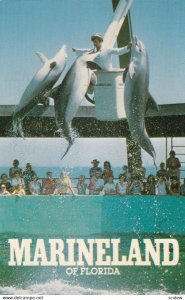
point(116, 23)
point(124, 37)
point(133, 153)
point(166, 150)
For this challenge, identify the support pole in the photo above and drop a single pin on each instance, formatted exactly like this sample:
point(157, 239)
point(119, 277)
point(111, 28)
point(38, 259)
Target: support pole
point(113, 29)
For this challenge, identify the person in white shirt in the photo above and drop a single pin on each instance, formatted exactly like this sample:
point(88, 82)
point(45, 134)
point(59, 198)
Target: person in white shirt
point(96, 184)
point(104, 55)
point(110, 187)
point(122, 186)
point(162, 186)
point(16, 180)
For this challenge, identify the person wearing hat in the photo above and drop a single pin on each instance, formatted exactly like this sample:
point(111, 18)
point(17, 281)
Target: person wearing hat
point(95, 168)
point(104, 55)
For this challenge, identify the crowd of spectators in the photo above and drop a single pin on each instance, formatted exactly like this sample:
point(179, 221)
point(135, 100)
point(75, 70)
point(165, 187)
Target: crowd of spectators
point(101, 181)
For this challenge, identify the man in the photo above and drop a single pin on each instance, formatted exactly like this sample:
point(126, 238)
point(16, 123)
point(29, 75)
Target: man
point(104, 56)
point(173, 166)
point(96, 184)
point(162, 170)
point(15, 168)
point(49, 184)
point(94, 168)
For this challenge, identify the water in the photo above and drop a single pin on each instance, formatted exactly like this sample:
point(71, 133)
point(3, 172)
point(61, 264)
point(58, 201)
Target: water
point(54, 280)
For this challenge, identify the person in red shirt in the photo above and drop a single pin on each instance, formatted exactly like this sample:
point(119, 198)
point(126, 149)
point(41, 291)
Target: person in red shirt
point(49, 184)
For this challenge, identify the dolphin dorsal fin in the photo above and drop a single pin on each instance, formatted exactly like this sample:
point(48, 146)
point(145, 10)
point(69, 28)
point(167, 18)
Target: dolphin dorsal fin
point(132, 70)
point(42, 57)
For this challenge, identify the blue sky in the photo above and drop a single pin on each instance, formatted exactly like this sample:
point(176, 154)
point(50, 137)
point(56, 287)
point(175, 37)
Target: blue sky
point(44, 25)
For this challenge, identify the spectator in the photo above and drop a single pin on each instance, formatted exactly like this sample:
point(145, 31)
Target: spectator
point(136, 186)
point(4, 180)
point(162, 186)
point(162, 170)
point(174, 186)
point(35, 186)
point(126, 173)
point(173, 166)
point(49, 184)
point(122, 185)
point(96, 184)
point(182, 188)
point(15, 168)
point(3, 191)
point(16, 180)
point(63, 186)
point(91, 185)
point(107, 172)
point(95, 168)
point(150, 185)
point(19, 190)
point(110, 187)
point(27, 176)
point(139, 171)
point(81, 185)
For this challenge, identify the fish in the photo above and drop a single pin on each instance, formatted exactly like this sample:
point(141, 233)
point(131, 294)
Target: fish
point(69, 95)
point(137, 99)
point(42, 81)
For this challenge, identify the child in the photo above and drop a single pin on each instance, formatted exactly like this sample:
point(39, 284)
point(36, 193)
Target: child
point(81, 185)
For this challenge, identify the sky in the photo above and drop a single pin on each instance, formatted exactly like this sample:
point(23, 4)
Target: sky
point(27, 26)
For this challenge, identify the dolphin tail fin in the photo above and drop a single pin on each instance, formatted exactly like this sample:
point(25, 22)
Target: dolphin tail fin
point(42, 57)
point(68, 147)
point(154, 158)
point(17, 128)
point(151, 104)
point(69, 135)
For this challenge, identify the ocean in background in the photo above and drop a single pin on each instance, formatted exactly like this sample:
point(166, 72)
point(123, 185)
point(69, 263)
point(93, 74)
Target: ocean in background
point(74, 172)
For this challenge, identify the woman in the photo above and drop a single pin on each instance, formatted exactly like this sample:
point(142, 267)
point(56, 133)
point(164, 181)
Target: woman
point(107, 172)
point(122, 185)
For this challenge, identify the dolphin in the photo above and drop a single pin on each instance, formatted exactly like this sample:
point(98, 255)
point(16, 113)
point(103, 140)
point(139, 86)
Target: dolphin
point(42, 81)
point(136, 96)
point(69, 95)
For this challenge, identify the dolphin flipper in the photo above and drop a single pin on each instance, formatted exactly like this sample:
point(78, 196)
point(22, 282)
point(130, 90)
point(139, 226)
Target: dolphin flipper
point(42, 57)
point(93, 66)
point(151, 104)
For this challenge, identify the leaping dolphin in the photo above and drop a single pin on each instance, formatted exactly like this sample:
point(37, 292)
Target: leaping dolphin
point(42, 81)
point(136, 96)
point(69, 95)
